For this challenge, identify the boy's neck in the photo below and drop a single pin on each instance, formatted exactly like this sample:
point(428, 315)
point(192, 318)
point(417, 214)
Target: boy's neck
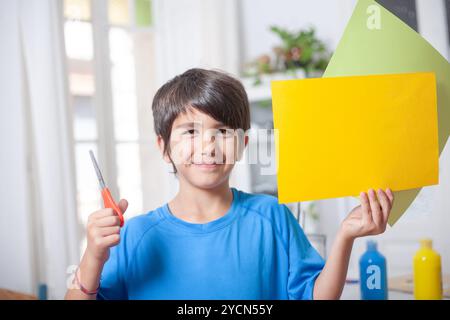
point(197, 205)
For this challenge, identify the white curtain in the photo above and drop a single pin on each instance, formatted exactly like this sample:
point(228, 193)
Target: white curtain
point(196, 33)
point(39, 225)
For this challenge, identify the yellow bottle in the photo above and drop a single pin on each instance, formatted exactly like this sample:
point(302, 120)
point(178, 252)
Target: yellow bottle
point(427, 273)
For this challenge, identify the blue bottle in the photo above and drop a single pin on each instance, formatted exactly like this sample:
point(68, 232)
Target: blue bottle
point(373, 274)
point(42, 291)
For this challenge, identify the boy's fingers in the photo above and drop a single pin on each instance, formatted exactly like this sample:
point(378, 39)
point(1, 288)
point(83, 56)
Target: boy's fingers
point(385, 204)
point(106, 212)
point(110, 240)
point(390, 195)
point(107, 231)
point(366, 217)
point(123, 205)
point(377, 216)
point(110, 221)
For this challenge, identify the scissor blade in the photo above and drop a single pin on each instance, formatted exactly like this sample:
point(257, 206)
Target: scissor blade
point(97, 171)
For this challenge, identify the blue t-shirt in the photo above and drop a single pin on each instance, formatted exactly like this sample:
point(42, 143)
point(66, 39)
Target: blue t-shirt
point(257, 250)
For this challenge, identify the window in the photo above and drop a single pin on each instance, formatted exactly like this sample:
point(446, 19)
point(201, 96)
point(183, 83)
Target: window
point(103, 65)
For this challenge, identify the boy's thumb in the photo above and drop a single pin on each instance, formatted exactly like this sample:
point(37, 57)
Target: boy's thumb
point(123, 205)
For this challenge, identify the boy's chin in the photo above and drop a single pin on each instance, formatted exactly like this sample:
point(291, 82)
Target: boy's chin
point(207, 181)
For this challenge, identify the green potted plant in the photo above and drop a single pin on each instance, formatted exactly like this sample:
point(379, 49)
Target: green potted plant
point(300, 54)
point(301, 49)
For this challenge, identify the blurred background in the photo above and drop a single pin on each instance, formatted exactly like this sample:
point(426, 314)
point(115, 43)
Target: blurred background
point(77, 75)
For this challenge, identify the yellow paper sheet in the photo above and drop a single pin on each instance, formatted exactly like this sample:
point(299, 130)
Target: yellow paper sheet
point(340, 136)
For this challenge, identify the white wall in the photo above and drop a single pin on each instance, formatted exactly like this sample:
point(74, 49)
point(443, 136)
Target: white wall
point(432, 24)
point(327, 16)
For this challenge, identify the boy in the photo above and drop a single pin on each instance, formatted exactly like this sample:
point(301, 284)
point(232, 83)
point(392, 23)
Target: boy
point(212, 241)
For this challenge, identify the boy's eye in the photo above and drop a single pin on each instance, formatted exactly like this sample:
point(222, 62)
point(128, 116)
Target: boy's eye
point(225, 132)
point(190, 132)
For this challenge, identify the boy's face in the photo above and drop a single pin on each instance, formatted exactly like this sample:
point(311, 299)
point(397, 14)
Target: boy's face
point(203, 149)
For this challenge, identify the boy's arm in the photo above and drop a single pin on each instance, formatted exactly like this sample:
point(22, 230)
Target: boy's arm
point(330, 282)
point(369, 218)
point(103, 232)
point(91, 270)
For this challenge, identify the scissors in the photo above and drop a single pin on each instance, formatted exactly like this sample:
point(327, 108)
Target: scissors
point(108, 200)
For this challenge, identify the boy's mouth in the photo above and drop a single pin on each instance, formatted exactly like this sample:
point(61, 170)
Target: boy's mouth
point(206, 165)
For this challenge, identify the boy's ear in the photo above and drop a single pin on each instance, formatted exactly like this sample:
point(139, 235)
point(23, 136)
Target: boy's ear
point(160, 143)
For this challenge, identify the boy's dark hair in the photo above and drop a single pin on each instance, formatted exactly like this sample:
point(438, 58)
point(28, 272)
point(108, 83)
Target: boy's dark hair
point(212, 92)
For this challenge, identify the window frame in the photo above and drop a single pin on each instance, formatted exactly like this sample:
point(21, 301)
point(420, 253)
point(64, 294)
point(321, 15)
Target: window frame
point(103, 103)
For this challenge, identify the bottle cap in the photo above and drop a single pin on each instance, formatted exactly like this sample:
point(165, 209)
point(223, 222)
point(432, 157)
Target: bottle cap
point(427, 243)
point(371, 245)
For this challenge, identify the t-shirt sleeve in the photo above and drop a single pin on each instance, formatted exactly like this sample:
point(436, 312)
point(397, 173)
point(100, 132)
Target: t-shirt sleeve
point(112, 280)
point(305, 263)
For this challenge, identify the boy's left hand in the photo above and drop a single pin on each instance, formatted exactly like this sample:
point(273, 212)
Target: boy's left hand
point(369, 218)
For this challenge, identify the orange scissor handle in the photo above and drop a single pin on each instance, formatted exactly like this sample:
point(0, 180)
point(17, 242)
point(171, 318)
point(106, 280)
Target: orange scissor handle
point(108, 201)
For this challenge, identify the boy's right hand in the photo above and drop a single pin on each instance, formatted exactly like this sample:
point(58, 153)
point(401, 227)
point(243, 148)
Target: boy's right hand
point(103, 232)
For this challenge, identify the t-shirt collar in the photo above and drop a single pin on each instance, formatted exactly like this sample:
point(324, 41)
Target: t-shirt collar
point(214, 225)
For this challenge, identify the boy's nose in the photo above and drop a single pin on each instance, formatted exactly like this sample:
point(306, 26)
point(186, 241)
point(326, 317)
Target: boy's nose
point(208, 146)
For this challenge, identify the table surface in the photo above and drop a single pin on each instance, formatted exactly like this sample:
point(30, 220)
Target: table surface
point(352, 292)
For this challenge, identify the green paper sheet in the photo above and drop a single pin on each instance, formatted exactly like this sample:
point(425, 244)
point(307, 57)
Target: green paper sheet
point(375, 41)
